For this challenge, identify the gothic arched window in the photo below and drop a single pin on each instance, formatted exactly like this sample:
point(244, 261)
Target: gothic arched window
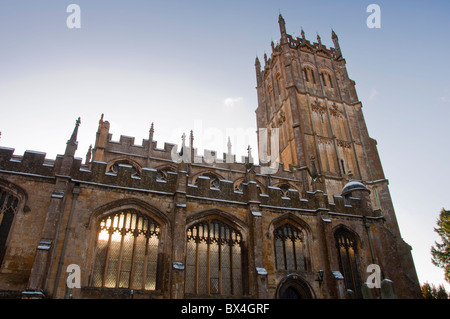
point(239, 187)
point(285, 189)
point(114, 168)
point(308, 74)
point(326, 79)
point(127, 252)
point(348, 255)
point(8, 207)
point(161, 174)
point(213, 259)
point(290, 250)
point(214, 180)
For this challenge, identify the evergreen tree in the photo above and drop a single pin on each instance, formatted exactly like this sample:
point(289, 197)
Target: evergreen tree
point(441, 251)
point(430, 291)
point(441, 293)
point(427, 291)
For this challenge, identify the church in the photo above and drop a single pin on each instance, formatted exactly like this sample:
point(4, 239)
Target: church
point(130, 220)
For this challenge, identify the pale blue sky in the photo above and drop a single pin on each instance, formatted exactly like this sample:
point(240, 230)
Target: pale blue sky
point(190, 65)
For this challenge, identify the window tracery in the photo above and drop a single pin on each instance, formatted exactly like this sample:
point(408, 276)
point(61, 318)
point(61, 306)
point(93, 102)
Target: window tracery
point(114, 168)
point(290, 250)
point(214, 180)
point(126, 251)
point(8, 208)
point(346, 245)
point(285, 190)
point(213, 259)
point(239, 187)
point(161, 174)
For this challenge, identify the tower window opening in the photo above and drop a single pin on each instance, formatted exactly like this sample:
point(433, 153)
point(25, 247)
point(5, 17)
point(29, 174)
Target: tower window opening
point(305, 74)
point(343, 167)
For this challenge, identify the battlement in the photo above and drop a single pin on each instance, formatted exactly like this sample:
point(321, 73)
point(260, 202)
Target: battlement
point(314, 47)
point(171, 151)
point(31, 162)
point(125, 179)
point(304, 45)
point(35, 164)
point(126, 144)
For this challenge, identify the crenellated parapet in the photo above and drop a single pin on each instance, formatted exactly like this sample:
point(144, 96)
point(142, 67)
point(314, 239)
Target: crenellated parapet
point(275, 199)
point(146, 181)
point(31, 162)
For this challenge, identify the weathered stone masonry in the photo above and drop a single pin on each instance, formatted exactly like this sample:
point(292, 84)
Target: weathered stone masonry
point(309, 230)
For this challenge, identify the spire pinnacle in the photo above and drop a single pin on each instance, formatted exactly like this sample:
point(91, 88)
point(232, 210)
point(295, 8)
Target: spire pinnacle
point(72, 143)
point(335, 39)
point(333, 34)
point(73, 138)
point(151, 132)
point(319, 40)
point(282, 24)
point(229, 146)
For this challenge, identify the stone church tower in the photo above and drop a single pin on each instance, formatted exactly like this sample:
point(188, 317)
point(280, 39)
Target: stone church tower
point(138, 221)
point(305, 92)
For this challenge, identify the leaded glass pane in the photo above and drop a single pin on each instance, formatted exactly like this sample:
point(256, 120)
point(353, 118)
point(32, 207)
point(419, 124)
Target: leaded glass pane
point(289, 254)
point(99, 266)
point(202, 267)
point(127, 252)
point(279, 253)
point(190, 266)
point(214, 267)
point(125, 266)
point(152, 262)
point(113, 261)
point(289, 248)
point(346, 245)
point(226, 269)
point(213, 260)
point(237, 271)
point(299, 255)
point(139, 262)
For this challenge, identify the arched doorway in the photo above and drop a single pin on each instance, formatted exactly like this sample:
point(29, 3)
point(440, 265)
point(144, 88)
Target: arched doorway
point(294, 287)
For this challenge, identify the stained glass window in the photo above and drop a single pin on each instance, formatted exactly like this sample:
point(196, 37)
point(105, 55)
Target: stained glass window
point(289, 248)
point(213, 259)
point(127, 252)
